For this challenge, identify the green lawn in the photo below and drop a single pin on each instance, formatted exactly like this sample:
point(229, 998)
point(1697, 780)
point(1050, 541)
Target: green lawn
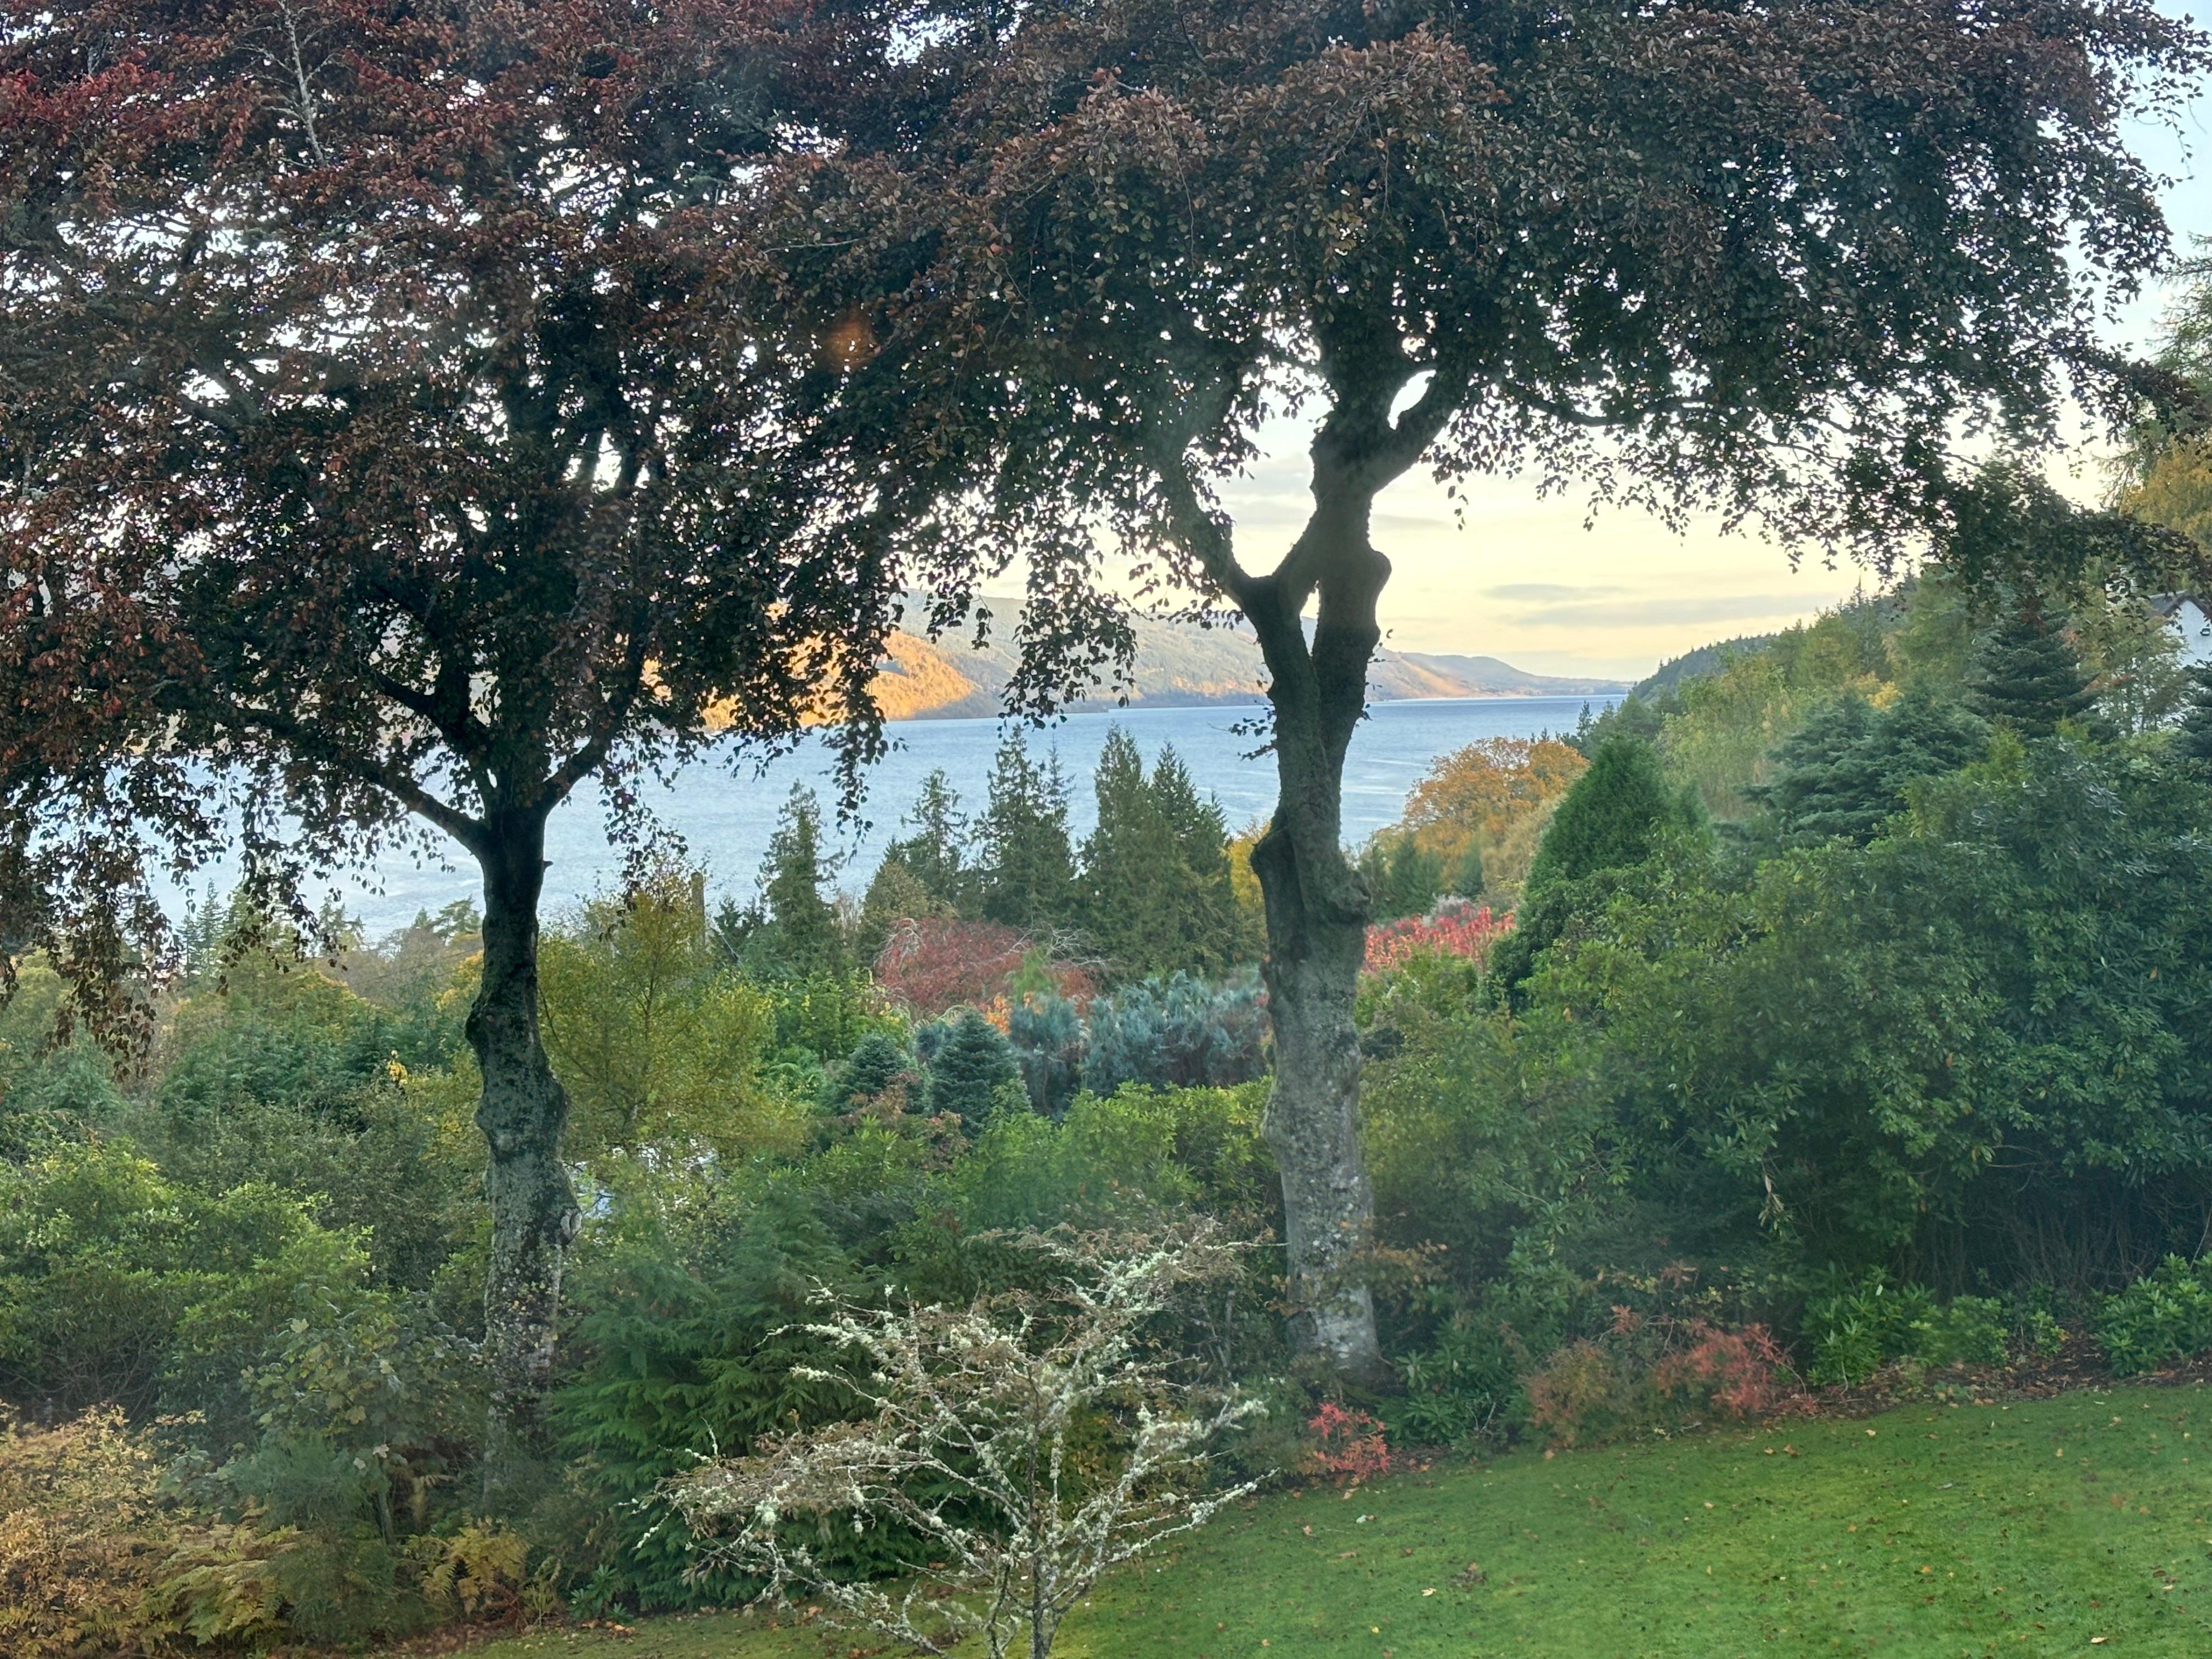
point(2035, 1528)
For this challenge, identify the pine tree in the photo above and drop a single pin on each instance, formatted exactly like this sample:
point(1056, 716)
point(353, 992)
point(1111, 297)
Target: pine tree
point(797, 937)
point(2026, 675)
point(1614, 815)
point(935, 850)
point(1027, 873)
point(1403, 877)
point(1047, 1036)
point(973, 1072)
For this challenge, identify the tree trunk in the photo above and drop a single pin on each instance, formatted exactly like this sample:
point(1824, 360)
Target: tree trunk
point(1317, 912)
point(522, 1112)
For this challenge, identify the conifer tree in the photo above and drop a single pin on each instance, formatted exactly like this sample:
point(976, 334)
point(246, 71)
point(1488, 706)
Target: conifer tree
point(876, 1063)
point(1467, 879)
point(1845, 771)
point(1613, 817)
point(1403, 877)
point(2193, 740)
point(973, 1072)
point(797, 936)
point(935, 848)
point(2025, 676)
point(895, 894)
point(1157, 887)
point(1027, 871)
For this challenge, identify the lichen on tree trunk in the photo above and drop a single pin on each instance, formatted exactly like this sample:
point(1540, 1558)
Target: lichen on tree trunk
point(522, 1112)
point(1317, 911)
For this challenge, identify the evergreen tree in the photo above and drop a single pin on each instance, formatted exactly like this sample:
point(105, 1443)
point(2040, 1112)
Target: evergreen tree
point(797, 936)
point(1047, 1036)
point(2193, 739)
point(973, 1072)
point(1177, 1031)
point(2026, 675)
point(1027, 873)
point(1467, 878)
point(935, 850)
point(876, 1063)
point(1614, 815)
point(1845, 771)
point(1157, 893)
point(895, 894)
point(1403, 877)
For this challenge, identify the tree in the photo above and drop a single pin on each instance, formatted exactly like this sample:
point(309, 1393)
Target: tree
point(1027, 867)
point(1846, 771)
point(2025, 676)
point(797, 936)
point(401, 421)
point(935, 851)
point(1158, 891)
point(1613, 816)
point(2194, 740)
point(1756, 259)
point(973, 1072)
point(1403, 877)
point(1028, 1442)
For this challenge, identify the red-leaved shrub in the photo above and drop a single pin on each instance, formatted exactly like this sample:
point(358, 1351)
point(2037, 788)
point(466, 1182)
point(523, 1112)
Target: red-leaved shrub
point(1349, 1444)
point(1649, 1373)
point(941, 962)
point(1456, 928)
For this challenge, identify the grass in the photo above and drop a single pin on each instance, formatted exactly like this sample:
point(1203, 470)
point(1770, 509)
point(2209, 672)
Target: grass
point(2072, 1525)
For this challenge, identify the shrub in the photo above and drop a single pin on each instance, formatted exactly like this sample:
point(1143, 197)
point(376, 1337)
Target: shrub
point(1177, 1031)
point(972, 1074)
point(1576, 1394)
point(938, 962)
point(1455, 928)
point(1651, 1373)
point(1048, 1037)
point(1350, 1445)
point(1853, 1331)
point(83, 1529)
point(2164, 1315)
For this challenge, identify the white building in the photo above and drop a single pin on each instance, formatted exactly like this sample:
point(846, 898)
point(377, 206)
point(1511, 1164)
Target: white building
point(2190, 616)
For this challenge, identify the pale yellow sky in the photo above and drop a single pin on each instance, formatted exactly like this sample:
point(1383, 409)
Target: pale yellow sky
point(1525, 580)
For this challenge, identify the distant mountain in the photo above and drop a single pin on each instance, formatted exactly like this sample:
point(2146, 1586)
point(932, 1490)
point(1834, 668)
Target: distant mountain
point(1178, 664)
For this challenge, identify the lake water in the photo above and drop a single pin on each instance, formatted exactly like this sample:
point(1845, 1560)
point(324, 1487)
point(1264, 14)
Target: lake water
point(726, 815)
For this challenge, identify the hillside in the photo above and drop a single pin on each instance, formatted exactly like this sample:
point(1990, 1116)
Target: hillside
point(1181, 663)
point(2040, 1526)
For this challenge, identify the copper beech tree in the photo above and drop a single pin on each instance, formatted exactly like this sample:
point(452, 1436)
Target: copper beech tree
point(1770, 260)
point(407, 419)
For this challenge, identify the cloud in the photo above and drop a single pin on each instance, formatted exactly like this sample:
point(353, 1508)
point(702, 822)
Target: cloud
point(1540, 591)
point(1693, 608)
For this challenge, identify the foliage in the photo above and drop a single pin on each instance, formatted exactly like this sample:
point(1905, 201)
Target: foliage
point(793, 930)
point(2164, 1315)
point(1849, 768)
point(940, 963)
point(972, 1074)
point(1854, 1330)
point(1654, 1373)
point(1403, 877)
point(1029, 1441)
point(1177, 1031)
point(116, 1284)
point(84, 1525)
point(1612, 817)
point(1026, 867)
point(652, 1039)
point(689, 1340)
point(934, 852)
point(1351, 1445)
point(1457, 927)
point(1157, 892)
point(1048, 1038)
point(2025, 676)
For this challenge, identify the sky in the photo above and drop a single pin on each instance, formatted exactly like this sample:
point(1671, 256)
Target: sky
point(1524, 580)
